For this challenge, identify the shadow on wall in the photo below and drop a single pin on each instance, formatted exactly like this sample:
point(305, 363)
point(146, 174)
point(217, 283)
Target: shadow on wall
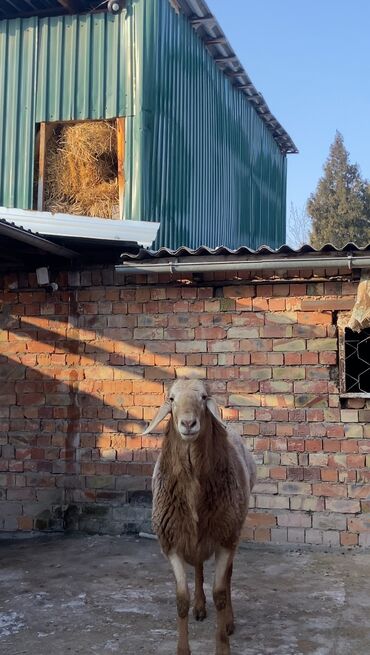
point(74, 402)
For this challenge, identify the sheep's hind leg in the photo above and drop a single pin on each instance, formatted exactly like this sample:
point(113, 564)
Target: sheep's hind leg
point(230, 626)
point(224, 559)
point(183, 603)
point(199, 609)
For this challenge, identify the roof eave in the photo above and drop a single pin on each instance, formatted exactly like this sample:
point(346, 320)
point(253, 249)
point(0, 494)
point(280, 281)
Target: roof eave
point(211, 33)
point(83, 227)
point(216, 264)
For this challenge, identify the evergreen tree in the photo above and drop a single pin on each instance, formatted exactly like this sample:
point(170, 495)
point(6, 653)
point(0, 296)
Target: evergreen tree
point(340, 207)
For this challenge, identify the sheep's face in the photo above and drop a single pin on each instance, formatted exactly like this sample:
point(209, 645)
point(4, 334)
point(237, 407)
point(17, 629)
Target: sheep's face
point(188, 400)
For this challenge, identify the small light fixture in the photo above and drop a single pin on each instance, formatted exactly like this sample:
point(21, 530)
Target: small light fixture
point(43, 279)
point(114, 6)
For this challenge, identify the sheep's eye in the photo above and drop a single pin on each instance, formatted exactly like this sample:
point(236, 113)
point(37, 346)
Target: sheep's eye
point(204, 397)
point(172, 399)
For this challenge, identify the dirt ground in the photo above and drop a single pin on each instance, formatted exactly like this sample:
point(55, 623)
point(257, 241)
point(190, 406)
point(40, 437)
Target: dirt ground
point(101, 595)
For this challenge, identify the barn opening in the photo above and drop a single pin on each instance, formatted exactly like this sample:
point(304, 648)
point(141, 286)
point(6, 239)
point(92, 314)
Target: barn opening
point(79, 168)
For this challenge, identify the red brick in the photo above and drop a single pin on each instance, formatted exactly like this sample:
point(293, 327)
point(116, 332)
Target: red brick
point(276, 304)
point(359, 524)
point(278, 473)
point(292, 359)
point(261, 444)
point(332, 490)
point(329, 475)
point(335, 431)
point(260, 519)
point(328, 304)
point(239, 291)
point(296, 445)
point(328, 358)
point(258, 358)
point(314, 318)
point(355, 461)
point(348, 539)
point(310, 358)
point(313, 445)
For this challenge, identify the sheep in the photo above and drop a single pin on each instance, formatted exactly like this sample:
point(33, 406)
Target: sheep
point(201, 487)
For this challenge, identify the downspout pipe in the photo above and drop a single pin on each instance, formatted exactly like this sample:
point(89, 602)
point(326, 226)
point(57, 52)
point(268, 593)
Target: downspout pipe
point(193, 265)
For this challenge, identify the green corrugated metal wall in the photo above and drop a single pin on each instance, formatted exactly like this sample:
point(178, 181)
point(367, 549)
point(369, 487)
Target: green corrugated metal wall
point(216, 174)
point(198, 158)
point(84, 68)
point(57, 69)
point(18, 47)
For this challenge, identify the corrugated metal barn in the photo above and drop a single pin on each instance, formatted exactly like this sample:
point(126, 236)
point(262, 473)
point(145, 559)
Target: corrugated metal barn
point(199, 150)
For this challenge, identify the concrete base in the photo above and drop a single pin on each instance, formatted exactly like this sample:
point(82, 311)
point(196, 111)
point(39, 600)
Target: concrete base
point(84, 595)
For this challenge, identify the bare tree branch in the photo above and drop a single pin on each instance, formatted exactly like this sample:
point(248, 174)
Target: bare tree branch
point(298, 227)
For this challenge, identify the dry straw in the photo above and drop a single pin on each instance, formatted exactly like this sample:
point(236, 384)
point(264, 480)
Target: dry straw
point(81, 170)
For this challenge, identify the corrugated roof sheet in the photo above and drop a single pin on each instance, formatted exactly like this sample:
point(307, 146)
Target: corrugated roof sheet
point(22, 249)
point(203, 251)
point(82, 227)
point(19, 234)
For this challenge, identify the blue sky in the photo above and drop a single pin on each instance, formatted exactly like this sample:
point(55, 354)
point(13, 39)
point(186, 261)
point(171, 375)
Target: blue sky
point(311, 62)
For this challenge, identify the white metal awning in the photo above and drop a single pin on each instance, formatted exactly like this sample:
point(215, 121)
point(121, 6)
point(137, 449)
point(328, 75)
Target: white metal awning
point(82, 227)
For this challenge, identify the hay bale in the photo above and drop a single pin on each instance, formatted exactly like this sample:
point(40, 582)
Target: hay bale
point(81, 170)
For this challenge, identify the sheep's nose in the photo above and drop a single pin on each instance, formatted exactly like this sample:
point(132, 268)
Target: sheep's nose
point(188, 424)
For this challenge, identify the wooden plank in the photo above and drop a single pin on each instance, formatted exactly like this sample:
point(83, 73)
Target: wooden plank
point(41, 143)
point(69, 5)
point(120, 122)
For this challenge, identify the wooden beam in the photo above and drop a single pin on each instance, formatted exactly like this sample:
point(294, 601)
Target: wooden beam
point(120, 123)
point(41, 144)
point(69, 5)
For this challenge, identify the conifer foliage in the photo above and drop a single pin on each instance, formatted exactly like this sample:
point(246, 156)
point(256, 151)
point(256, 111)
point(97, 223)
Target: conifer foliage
point(340, 207)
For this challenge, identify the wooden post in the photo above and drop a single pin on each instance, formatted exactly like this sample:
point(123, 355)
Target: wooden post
point(120, 122)
point(43, 138)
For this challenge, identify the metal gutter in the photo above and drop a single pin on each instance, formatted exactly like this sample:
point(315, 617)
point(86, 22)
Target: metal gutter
point(211, 265)
point(36, 241)
point(82, 227)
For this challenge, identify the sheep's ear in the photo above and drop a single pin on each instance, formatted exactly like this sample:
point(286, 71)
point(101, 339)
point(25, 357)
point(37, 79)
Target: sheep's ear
point(214, 409)
point(161, 414)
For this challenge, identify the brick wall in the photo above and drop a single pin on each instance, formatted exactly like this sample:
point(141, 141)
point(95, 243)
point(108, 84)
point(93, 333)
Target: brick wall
point(83, 369)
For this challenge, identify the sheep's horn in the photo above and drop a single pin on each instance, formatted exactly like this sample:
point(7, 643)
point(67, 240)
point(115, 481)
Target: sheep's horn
point(214, 409)
point(161, 414)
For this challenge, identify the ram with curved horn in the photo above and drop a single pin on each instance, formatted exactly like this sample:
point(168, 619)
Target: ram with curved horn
point(201, 488)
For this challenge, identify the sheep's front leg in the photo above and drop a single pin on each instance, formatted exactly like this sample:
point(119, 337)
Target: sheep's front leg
point(183, 603)
point(221, 599)
point(199, 609)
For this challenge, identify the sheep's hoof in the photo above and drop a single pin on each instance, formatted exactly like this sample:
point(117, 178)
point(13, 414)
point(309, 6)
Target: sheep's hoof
point(183, 651)
point(200, 612)
point(230, 627)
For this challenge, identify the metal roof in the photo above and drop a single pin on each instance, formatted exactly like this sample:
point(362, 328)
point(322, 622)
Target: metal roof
point(24, 8)
point(83, 227)
point(243, 251)
point(206, 260)
point(26, 236)
point(22, 249)
point(207, 28)
point(19, 247)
